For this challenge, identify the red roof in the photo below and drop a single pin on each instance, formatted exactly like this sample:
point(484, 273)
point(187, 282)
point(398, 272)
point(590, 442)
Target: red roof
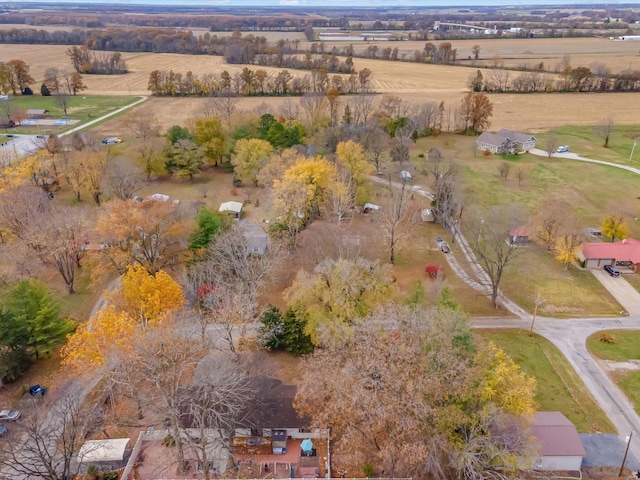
point(519, 232)
point(624, 251)
point(557, 436)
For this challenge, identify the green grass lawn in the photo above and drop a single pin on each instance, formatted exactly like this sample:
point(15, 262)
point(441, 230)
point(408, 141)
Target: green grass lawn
point(79, 106)
point(585, 141)
point(558, 386)
point(586, 190)
point(626, 347)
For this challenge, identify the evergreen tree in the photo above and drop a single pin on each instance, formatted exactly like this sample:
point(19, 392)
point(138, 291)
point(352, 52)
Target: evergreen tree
point(36, 314)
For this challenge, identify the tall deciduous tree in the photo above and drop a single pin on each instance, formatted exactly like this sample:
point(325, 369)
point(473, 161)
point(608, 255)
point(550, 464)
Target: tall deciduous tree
point(46, 445)
point(337, 294)
point(475, 112)
point(249, 157)
point(614, 226)
point(396, 216)
point(150, 233)
point(20, 77)
point(449, 405)
point(605, 129)
point(183, 157)
point(209, 137)
point(491, 246)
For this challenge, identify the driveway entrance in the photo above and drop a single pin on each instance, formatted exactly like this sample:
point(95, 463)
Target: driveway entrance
point(621, 290)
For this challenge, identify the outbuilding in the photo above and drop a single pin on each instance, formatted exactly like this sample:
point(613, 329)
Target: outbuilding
point(559, 445)
point(107, 454)
point(232, 208)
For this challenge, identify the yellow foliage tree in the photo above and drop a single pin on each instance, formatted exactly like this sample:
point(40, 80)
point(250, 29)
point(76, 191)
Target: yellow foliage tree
point(351, 155)
point(613, 226)
point(105, 338)
point(307, 183)
point(565, 248)
point(145, 297)
point(503, 383)
point(249, 157)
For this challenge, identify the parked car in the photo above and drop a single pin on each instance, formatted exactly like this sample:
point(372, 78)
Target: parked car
point(563, 148)
point(445, 248)
point(611, 270)
point(439, 240)
point(10, 415)
point(111, 140)
point(3, 431)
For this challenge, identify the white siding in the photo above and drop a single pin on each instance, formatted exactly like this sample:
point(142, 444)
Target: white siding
point(559, 463)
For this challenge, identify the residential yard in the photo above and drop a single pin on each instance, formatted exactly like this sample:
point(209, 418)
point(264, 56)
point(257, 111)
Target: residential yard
point(558, 385)
point(626, 348)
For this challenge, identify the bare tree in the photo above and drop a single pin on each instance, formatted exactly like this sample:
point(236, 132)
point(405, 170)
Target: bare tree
point(551, 145)
point(499, 80)
point(314, 105)
point(62, 100)
point(522, 172)
point(165, 360)
point(449, 197)
point(45, 445)
point(362, 106)
point(605, 129)
point(222, 106)
point(290, 109)
point(375, 141)
point(342, 195)
point(491, 245)
point(504, 168)
point(123, 184)
point(226, 284)
point(396, 215)
point(214, 407)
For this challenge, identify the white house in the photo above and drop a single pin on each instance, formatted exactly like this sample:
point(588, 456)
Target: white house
point(559, 445)
point(506, 141)
point(233, 208)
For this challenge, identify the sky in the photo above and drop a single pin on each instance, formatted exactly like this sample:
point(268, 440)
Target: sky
point(339, 3)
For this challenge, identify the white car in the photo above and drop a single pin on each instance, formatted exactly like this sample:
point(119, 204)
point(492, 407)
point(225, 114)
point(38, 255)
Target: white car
point(10, 415)
point(563, 148)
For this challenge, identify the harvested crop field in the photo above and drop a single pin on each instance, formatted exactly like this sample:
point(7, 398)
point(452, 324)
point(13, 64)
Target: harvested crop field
point(411, 82)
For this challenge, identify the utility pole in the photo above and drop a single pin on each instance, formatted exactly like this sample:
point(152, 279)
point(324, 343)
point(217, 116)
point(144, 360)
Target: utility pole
point(624, 459)
point(635, 140)
point(539, 302)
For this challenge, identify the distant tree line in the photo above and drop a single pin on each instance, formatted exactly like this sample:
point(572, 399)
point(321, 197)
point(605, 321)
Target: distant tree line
point(213, 22)
point(251, 82)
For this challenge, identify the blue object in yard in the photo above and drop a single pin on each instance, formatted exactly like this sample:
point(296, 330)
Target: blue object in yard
point(36, 390)
point(3, 430)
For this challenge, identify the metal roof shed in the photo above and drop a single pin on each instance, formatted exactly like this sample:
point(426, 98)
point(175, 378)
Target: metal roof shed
point(101, 451)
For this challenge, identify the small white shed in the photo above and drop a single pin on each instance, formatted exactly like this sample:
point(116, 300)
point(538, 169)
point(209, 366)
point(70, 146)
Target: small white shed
point(111, 450)
point(406, 176)
point(234, 208)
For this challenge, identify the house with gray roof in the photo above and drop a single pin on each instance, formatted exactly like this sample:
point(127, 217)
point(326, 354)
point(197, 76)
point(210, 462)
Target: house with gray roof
point(505, 141)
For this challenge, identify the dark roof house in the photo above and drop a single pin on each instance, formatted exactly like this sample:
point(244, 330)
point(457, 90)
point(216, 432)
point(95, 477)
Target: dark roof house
point(559, 445)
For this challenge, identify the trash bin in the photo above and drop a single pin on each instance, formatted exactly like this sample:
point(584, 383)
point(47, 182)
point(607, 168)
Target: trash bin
point(36, 390)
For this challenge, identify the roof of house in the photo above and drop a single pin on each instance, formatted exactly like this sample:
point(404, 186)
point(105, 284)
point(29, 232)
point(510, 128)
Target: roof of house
point(108, 450)
point(516, 136)
point(235, 207)
point(557, 436)
point(492, 139)
point(274, 407)
point(519, 232)
point(254, 234)
point(624, 251)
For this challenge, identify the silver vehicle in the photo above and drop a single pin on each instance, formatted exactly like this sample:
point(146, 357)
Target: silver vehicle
point(9, 415)
point(563, 149)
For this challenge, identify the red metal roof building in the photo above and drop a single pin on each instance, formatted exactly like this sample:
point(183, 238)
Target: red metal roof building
point(624, 253)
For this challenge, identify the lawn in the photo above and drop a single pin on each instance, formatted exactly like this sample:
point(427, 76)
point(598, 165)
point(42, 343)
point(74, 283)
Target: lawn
point(558, 386)
point(586, 190)
point(78, 107)
point(625, 348)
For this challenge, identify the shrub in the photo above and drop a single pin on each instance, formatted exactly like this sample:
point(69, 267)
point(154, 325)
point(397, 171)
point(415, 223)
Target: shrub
point(486, 153)
point(368, 470)
point(111, 476)
point(606, 337)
